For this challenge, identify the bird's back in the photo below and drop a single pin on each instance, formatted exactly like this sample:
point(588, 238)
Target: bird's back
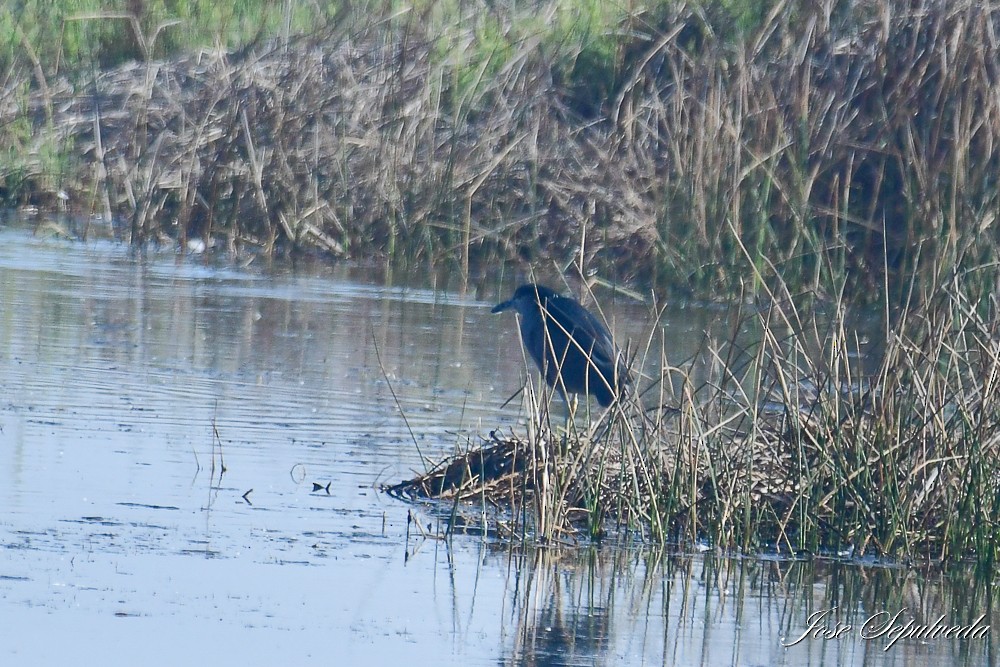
point(580, 349)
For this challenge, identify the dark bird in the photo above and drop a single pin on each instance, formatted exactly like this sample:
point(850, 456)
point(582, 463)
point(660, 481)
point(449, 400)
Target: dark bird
point(572, 348)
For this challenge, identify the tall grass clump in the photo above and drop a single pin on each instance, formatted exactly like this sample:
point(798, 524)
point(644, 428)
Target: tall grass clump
point(790, 434)
point(813, 445)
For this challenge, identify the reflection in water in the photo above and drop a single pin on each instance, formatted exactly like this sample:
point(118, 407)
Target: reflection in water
point(116, 373)
point(605, 607)
point(563, 617)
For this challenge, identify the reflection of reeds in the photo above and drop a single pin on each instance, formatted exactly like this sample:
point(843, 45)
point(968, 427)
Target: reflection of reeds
point(794, 441)
point(831, 139)
point(666, 608)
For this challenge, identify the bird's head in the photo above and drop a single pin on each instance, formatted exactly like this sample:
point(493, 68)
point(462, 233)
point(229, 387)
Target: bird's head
point(526, 299)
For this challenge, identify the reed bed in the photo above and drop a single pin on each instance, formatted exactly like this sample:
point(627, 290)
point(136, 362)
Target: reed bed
point(848, 143)
point(803, 439)
point(808, 442)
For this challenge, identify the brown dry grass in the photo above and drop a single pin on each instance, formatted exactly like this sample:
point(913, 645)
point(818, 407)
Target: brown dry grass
point(842, 143)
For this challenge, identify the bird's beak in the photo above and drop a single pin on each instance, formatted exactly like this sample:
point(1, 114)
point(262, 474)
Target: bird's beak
point(500, 307)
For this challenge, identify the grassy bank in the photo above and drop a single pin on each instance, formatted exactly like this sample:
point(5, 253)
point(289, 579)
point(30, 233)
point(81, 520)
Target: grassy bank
point(701, 148)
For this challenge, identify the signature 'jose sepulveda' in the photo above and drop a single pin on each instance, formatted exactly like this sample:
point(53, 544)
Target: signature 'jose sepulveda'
point(891, 626)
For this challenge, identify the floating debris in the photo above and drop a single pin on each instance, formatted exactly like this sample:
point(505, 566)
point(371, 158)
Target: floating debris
point(469, 474)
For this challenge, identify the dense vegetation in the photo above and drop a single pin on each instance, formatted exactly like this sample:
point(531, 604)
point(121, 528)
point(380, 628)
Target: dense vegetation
point(787, 436)
point(701, 147)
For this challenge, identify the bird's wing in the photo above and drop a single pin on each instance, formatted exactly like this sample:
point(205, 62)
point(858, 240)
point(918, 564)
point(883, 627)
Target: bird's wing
point(588, 331)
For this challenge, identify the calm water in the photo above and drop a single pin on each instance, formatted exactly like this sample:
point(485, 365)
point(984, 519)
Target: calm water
point(127, 383)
